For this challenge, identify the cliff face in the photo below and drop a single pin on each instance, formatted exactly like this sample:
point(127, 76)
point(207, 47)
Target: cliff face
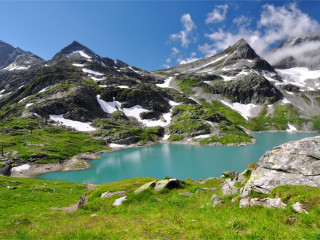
point(292, 163)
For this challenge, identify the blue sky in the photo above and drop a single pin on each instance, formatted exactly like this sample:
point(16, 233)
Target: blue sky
point(153, 34)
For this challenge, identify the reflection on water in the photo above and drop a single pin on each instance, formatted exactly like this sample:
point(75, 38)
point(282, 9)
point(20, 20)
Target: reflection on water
point(179, 161)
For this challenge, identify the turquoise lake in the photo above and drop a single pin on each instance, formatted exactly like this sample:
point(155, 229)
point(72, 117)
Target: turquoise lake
point(179, 161)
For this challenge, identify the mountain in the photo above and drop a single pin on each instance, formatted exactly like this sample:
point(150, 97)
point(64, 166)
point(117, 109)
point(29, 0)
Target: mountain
point(298, 51)
point(235, 61)
point(13, 59)
point(214, 100)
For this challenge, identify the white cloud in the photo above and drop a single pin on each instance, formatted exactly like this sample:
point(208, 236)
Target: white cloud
point(187, 60)
point(185, 34)
point(218, 14)
point(275, 24)
point(175, 51)
point(208, 50)
point(242, 21)
point(298, 52)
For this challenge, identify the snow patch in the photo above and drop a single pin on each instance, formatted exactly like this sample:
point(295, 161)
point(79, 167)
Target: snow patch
point(122, 86)
point(166, 137)
point(78, 65)
point(135, 111)
point(23, 99)
point(114, 145)
point(212, 62)
point(291, 128)
point(109, 107)
point(92, 72)
point(298, 75)
point(95, 79)
point(202, 136)
point(291, 93)
point(28, 105)
point(285, 101)
point(243, 109)
point(14, 66)
point(166, 83)
point(131, 68)
point(20, 168)
point(80, 126)
point(43, 89)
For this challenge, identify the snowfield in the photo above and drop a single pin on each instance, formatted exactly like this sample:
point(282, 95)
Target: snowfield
point(243, 109)
point(291, 128)
point(114, 145)
point(92, 72)
point(110, 107)
point(298, 75)
point(80, 126)
point(20, 168)
point(166, 83)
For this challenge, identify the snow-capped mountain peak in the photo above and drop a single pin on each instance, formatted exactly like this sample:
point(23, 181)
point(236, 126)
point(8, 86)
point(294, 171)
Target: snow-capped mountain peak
point(12, 58)
point(77, 51)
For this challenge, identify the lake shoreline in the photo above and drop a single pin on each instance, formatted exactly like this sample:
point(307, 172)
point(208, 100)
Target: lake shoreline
point(81, 161)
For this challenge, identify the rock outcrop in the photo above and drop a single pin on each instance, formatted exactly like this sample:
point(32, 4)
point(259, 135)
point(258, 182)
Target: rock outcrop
point(265, 202)
point(161, 184)
point(292, 163)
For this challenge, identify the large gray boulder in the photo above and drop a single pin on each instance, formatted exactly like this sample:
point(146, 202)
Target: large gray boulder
point(292, 163)
point(265, 202)
point(161, 184)
point(229, 187)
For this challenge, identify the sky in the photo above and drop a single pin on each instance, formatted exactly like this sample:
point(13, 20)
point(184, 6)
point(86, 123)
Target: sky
point(153, 34)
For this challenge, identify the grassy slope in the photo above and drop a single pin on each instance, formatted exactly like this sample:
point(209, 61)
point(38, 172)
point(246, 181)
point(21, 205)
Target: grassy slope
point(29, 213)
point(48, 143)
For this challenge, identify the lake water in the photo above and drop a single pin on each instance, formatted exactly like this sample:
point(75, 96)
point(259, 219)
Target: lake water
point(179, 161)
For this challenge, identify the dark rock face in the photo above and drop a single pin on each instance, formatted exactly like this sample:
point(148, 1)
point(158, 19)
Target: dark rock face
point(292, 163)
point(242, 50)
point(82, 106)
point(249, 89)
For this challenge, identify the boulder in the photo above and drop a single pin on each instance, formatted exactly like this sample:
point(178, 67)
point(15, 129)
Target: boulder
point(168, 183)
point(145, 186)
point(216, 200)
point(265, 202)
point(161, 184)
point(110, 194)
point(229, 187)
point(82, 200)
point(232, 174)
point(298, 208)
point(292, 163)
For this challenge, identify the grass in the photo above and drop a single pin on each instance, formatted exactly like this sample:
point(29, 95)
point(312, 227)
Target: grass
point(33, 213)
point(120, 130)
point(31, 140)
point(194, 120)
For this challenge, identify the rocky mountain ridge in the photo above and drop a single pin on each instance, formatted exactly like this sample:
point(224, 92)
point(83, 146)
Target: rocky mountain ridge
point(14, 59)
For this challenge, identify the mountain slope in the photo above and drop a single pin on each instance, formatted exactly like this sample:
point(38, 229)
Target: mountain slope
point(235, 61)
point(298, 51)
point(12, 59)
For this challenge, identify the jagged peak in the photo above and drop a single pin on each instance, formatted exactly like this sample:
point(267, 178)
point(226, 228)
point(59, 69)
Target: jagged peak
point(75, 46)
